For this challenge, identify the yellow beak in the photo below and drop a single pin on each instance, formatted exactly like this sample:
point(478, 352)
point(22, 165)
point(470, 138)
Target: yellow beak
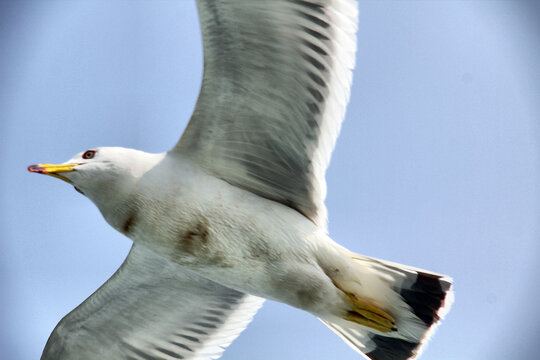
point(53, 170)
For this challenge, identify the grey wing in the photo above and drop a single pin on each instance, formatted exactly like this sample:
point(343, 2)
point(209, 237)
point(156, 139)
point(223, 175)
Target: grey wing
point(152, 309)
point(276, 82)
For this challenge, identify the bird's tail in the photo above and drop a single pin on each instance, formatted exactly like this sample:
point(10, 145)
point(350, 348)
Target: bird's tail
point(416, 299)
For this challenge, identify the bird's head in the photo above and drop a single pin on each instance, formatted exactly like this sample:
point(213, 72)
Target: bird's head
point(102, 174)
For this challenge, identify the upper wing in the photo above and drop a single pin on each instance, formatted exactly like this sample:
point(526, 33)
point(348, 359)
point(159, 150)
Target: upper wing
point(152, 309)
point(276, 83)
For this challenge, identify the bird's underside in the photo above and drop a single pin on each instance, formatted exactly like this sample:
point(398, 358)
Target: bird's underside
point(235, 213)
point(183, 290)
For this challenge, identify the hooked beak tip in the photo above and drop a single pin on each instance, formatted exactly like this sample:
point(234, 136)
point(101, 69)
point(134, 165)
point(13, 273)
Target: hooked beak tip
point(37, 169)
point(53, 170)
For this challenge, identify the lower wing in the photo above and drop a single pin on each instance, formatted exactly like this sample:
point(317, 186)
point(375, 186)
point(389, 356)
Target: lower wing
point(153, 309)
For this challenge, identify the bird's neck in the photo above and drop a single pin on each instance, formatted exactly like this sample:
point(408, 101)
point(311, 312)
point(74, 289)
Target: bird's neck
point(117, 197)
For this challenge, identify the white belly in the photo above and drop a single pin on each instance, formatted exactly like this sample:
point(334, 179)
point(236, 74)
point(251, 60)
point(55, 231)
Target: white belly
point(233, 237)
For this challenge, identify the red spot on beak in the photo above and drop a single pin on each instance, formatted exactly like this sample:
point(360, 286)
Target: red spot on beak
point(37, 169)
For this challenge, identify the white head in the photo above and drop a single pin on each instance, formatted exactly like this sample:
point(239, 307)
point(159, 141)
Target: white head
point(105, 175)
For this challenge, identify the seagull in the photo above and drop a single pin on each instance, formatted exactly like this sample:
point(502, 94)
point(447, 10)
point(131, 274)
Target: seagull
point(234, 213)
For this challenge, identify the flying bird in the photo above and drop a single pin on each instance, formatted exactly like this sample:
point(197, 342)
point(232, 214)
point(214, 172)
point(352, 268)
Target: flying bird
point(234, 212)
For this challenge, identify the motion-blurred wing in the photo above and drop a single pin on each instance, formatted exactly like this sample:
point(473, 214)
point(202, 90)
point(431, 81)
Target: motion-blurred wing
point(152, 309)
point(276, 83)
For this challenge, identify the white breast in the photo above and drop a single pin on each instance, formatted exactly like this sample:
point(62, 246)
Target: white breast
point(225, 233)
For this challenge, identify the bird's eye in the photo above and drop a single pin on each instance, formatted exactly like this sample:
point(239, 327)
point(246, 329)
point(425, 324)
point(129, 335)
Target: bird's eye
point(89, 154)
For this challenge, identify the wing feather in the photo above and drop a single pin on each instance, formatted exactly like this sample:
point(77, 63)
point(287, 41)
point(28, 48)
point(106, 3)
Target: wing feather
point(276, 81)
point(153, 309)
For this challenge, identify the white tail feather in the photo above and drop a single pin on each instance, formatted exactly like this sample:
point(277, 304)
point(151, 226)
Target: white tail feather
point(417, 299)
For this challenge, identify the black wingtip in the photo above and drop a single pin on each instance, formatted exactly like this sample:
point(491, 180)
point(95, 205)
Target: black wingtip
point(388, 348)
point(426, 296)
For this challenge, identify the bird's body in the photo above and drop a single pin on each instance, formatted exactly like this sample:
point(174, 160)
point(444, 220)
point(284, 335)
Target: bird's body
point(234, 212)
point(229, 235)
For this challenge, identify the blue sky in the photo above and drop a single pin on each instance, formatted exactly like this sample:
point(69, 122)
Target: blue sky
point(436, 166)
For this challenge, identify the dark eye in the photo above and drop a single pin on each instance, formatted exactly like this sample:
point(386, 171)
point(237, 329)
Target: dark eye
point(89, 154)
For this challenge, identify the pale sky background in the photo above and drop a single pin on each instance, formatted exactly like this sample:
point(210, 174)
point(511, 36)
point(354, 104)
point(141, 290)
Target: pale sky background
point(437, 164)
